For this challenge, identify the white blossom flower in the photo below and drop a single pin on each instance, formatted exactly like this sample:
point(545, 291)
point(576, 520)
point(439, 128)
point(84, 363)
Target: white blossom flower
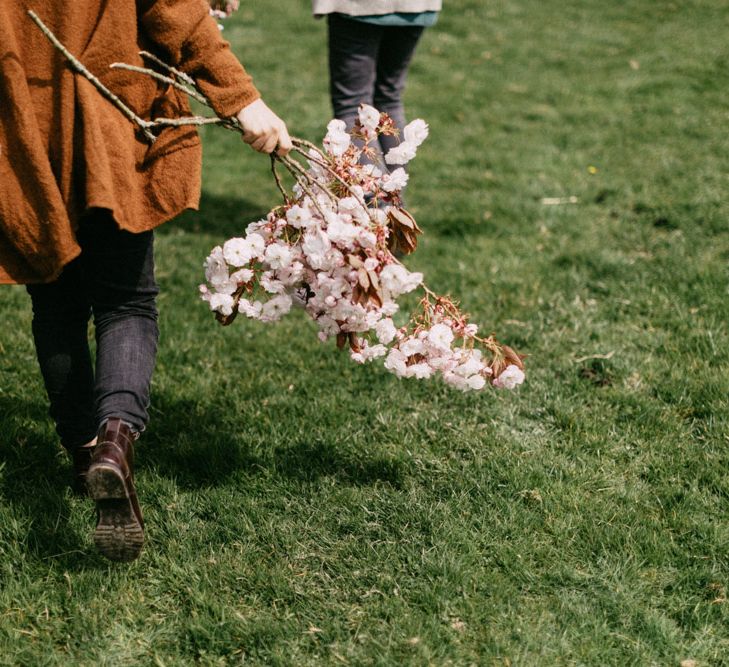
point(416, 132)
point(221, 303)
point(241, 276)
point(315, 245)
point(396, 362)
point(369, 117)
point(328, 325)
point(337, 140)
point(457, 381)
point(216, 269)
point(257, 227)
point(389, 308)
point(237, 251)
point(336, 125)
point(270, 284)
point(366, 238)
point(258, 245)
point(292, 274)
point(250, 308)
point(276, 308)
point(396, 279)
point(385, 331)
point(510, 377)
point(411, 346)
point(440, 336)
point(341, 232)
point(471, 365)
point(368, 353)
point(420, 371)
point(401, 154)
point(476, 382)
point(371, 170)
point(298, 217)
point(395, 181)
point(278, 255)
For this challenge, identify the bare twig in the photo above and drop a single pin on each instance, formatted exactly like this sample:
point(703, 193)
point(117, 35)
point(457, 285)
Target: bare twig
point(303, 185)
point(309, 178)
point(324, 163)
point(172, 70)
point(164, 79)
point(187, 120)
point(277, 178)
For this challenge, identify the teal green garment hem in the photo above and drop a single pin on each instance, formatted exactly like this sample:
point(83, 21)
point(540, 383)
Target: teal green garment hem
point(424, 19)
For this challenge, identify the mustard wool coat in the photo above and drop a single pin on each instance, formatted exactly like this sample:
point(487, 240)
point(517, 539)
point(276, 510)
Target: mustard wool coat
point(64, 148)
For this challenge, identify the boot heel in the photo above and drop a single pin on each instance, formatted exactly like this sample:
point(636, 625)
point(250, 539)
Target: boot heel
point(119, 533)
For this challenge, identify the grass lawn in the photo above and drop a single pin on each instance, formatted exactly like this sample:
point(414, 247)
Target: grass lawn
point(302, 510)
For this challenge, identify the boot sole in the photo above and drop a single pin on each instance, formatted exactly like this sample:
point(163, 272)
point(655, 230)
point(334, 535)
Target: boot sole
point(119, 535)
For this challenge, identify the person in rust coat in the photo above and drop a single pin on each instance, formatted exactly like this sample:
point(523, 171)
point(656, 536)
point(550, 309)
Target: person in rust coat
point(81, 191)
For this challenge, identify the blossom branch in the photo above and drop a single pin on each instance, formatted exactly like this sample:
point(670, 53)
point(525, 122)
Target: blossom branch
point(162, 78)
point(172, 70)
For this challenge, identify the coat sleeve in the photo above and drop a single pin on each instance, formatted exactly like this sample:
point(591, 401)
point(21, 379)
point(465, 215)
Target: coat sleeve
point(189, 39)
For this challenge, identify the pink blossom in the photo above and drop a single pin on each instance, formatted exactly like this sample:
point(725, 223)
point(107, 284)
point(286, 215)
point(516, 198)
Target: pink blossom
point(401, 154)
point(250, 308)
point(510, 377)
point(369, 117)
point(385, 331)
point(416, 132)
point(395, 181)
point(440, 336)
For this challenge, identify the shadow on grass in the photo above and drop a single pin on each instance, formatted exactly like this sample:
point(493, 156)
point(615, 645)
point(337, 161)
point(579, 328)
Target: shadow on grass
point(199, 451)
point(34, 484)
point(195, 451)
point(220, 216)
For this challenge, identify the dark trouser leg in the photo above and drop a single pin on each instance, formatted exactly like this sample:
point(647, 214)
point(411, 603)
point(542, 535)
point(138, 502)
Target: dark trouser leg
point(353, 48)
point(114, 278)
point(122, 290)
point(393, 59)
point(61, 312)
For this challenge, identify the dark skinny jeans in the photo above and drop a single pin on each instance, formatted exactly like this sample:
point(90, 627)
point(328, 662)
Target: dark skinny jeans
point(113, 280)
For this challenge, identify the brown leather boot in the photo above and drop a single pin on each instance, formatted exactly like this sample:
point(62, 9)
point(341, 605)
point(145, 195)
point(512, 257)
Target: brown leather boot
point(119, 531)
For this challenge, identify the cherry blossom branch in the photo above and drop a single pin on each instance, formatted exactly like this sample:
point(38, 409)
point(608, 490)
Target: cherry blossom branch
point(304, 174)
point(172, 70)
point(302, 183)
point(164, 79)
point(324, 163)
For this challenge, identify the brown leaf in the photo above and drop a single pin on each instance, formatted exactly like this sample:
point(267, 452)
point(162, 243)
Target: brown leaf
point(497, 365)
point(403, 231)
point(512, 357)
point(354, 342)
point(401, 217)
point(364, 279)
point(355, 261)
point(375, 296)
point(341, 340)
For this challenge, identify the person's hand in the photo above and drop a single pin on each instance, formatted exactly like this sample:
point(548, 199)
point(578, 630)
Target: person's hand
point(263, 130)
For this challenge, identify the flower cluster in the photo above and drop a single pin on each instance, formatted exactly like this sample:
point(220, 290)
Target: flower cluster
point(331, 249)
